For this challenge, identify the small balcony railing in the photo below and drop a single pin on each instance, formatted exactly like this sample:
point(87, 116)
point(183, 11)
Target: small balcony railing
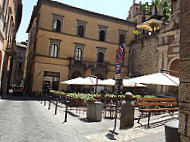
point(88, 65)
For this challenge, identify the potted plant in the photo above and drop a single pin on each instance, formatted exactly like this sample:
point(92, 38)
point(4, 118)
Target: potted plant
point(89, 99)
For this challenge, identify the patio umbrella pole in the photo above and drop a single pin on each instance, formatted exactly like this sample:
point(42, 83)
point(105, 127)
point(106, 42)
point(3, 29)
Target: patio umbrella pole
point(96, 85)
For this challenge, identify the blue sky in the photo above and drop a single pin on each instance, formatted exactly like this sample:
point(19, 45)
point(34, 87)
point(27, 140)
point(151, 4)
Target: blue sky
point(115, 8)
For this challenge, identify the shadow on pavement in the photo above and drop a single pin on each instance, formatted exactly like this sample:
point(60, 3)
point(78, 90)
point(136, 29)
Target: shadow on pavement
point(155, 124)
point(111, 135)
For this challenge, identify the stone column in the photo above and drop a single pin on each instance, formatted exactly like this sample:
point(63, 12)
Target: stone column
point(184, 72)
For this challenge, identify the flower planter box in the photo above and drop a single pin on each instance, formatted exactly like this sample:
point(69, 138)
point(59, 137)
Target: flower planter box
point(94, 111)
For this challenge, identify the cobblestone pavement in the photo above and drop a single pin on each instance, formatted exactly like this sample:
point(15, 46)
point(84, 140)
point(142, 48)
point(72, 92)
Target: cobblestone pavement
point(27, 120)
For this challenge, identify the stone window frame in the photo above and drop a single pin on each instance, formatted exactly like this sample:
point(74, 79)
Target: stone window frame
point(57, 17)
point(102, 28)
point(124, 32)
point(81, 47)
point(81, 23)
point(54, 42)
point(103, 50)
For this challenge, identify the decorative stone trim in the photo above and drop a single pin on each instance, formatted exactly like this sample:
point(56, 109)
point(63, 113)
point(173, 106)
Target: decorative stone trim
point(100, 49)
point(57, 42)
point(57, 17)
point(124, 32)
point(83, 23)
point(79, 46)
point(102, 28)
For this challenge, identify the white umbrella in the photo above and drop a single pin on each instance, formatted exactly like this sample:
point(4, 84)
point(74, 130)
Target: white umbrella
point(82, 81)
point(126, 83)
point(157, 79)
point(90, 81)
point(107, 82)
point(76, 81)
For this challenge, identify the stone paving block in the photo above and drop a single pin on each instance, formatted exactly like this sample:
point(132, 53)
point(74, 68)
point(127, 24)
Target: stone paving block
point(32, 121)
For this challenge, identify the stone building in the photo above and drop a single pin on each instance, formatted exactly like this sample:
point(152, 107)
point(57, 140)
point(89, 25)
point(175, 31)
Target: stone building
point(136, 14)
point(184, 72)
point(157, 52)
point(66, 42)
point(18, 64)
point(10, 18)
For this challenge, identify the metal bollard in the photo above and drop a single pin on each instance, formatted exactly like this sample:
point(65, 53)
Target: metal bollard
point(41, 98)
point(56, 106)
point(66, 109)
point(49, 107)
point(45, 99)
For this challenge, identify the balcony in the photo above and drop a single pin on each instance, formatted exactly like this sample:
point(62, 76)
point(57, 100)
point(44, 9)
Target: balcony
point(88, 65)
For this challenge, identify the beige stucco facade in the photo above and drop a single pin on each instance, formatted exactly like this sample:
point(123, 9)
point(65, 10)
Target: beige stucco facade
point(65, 66)
point(11, 12)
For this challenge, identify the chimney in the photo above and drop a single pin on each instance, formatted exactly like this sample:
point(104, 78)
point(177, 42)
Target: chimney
point(133, 2)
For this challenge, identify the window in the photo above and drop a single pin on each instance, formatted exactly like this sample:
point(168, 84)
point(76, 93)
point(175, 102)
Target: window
point(122, 37)
point(57, 25)
point(81, 26)
point(57, 22)
point(102, 33)
point(100, 57)
point(54, 47)
point(100, 54)
point(79, 48)
point(54, 50)
point(81, 31)
point(78, 54)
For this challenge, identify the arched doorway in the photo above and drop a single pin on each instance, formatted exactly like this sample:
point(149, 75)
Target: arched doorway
point(174, 66)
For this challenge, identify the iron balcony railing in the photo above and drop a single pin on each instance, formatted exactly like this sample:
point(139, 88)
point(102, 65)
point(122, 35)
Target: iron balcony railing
point(90, 65)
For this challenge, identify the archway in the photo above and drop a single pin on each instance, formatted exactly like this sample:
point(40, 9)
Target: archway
point(174, 66)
